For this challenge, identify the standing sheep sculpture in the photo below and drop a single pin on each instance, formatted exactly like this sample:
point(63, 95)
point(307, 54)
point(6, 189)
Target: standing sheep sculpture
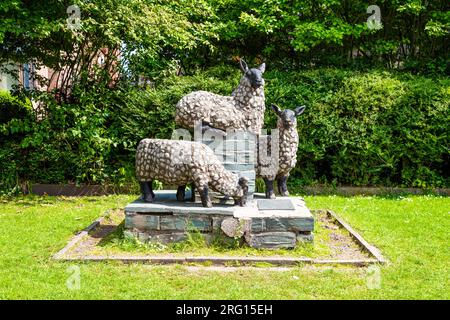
point(243, 110)
point(179, 162)
point(286, 148)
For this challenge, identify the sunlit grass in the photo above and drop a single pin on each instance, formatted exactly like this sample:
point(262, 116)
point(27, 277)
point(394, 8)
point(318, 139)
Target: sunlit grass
point(411, 231)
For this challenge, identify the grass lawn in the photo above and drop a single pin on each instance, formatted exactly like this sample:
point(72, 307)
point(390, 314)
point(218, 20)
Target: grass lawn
point(412, 232)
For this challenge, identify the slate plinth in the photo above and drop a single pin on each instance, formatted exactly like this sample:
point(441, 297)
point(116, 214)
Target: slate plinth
point(265, 223)
point(237, 152)
point(271, 204)
point(278, 223)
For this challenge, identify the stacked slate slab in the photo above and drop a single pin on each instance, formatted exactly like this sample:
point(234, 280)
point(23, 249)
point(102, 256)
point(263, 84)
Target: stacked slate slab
point(166, 228)
point(167, 220)
point(265, 223)
point(278, 223)
point(237, 152)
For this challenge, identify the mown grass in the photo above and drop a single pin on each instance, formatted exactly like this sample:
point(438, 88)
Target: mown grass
point(411, 231)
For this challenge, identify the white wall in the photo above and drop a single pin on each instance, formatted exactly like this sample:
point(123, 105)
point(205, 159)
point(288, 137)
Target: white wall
point(6, 80)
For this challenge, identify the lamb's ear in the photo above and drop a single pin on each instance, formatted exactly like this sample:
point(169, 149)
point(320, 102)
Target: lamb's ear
point(262, 67)
point(299, 110)
point(276, 109)
point(244, 66)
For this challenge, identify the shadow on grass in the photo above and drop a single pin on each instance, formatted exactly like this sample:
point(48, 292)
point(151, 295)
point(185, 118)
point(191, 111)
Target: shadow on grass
point(34, 200)
point(388, 195)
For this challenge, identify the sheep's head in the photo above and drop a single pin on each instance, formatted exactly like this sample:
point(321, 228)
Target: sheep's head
point(253, 75)
point(288, 118)
point(240, 196)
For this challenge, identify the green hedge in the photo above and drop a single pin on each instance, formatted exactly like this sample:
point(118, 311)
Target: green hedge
point(373, 128)
point(12, 107)
point(14, 112)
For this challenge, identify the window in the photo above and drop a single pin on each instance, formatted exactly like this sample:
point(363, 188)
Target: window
point(27, 76)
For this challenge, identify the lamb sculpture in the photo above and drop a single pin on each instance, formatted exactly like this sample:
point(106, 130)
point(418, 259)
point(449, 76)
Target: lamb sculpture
point(244, 109)
point(178, 162)
point(279, 165)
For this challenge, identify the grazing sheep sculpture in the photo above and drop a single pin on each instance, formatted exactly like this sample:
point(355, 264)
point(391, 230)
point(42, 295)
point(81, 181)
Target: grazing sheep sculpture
point(286, 148)
point(244, 109)
point(179, 162)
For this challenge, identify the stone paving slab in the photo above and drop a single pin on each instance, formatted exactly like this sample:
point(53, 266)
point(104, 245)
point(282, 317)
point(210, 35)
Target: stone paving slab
point(300, 210)
point(280, 224)
point(271, 204)
point(165, 202)
point(271, 240)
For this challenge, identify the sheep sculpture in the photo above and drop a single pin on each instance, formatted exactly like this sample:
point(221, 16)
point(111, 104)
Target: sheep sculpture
point(178, 162)
point(243, 110)
point(279, 165)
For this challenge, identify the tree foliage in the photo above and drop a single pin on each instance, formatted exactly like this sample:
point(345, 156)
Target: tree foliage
point(132, 36)
point(414, 33)
point(152, 36)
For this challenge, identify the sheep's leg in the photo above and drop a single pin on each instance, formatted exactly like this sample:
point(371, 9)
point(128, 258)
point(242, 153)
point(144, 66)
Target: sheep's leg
point(147, 192)
point(204, 196)
point(193, 192)
point(269, 188)
point(181, 193)
point(282, 187)
point(207, 127)
point(279, 184)
point(151, 189)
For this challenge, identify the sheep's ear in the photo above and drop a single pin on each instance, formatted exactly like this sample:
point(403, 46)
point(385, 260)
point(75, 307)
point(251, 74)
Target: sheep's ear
point(262, 67)
point(244, 66)
point(243, 182)
point(299, 110)
point(276, 109)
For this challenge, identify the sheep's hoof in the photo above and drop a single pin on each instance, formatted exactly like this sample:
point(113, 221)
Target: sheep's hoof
point(148, 198)
point(270, 196)
point(285, 194)
point(208, 204)
point(180, 196)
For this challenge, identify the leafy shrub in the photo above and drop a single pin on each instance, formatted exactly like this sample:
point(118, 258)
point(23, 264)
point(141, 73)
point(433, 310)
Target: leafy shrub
point(9, 177)
point(12, 107)
point(373, 128)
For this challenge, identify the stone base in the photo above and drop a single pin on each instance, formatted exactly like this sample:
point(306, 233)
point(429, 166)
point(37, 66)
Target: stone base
point(278, 223)
point(237, 152)
point(263, 223)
